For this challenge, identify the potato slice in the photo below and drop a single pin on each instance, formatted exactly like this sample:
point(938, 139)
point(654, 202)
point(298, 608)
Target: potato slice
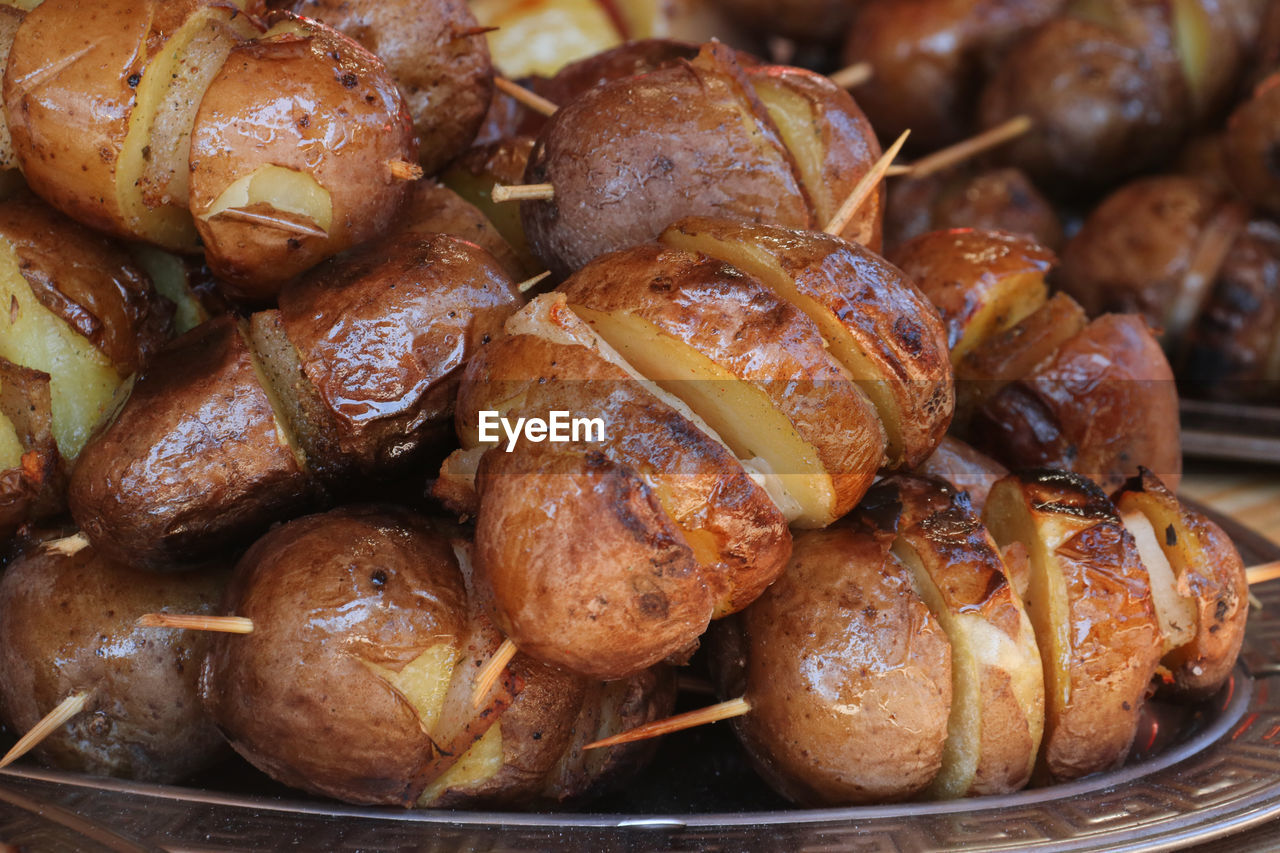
point(541, 36)
point(873, 320)
point(1089, 599)
point(997, 697)
point(982, 282)
point(1208, 580)
point(33, 476)
point(753, 367)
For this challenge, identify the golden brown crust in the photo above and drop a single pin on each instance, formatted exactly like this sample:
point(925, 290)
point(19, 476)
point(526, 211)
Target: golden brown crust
point(847, 672)
point(1090, 602)
point(900, 353)
point(739, 536)
point(382, 336)
point(194, 461)
point(68, 625)
point(554, 526)
point(437, 55)
point(964, 467)
point(340, 603)
point(741, 326)
point(331, 113)
point(433, 208)
point(710, 123)
point(1103, 405)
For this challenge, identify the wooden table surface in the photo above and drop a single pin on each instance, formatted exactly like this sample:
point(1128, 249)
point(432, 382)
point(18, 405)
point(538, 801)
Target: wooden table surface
point(1248, 492)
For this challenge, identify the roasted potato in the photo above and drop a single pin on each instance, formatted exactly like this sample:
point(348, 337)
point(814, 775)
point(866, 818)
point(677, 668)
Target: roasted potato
point(1198, 584)
point(541, 36)
point(928, 58)
point(752, 365)
point(982, 199)
point(965, 468)
point(997, 693)
point(1153, 247)
point(10, 18)
point(284, 176)
point(437, 55)
point(1090, 602)
point(847, 673)
point(1252, 135)
point(366, 351)
point(724, 117)
point(195, 461)
point(67, 623)
point(1102, 405)
point(434, 208)
point(32, 475)
point(981, 282)
point(472, 177)
point(78, 310)
point(874, 321)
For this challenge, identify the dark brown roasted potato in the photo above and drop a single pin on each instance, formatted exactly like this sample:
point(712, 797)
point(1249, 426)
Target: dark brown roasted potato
point(965, 468)
point(68, 626)
point(473, 175)
point(1250, 142)
point(983, 199)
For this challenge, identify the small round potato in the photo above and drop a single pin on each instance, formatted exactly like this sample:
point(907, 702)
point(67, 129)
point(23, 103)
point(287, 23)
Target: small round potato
point(67, 625)
point(286, 175)
point(983, 199)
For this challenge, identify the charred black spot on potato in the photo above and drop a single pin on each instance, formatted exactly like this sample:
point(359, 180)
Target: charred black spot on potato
point(378, 578)
point(1219, 612)
point(349, 80)
point(1170, 536)
point(133, 80)
point(909, 334)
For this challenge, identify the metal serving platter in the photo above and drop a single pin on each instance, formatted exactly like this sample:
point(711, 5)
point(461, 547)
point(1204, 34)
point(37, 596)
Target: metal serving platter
point(1196, 774)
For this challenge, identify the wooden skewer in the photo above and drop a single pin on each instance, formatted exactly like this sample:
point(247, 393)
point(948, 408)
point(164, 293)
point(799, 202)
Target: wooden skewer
point(961, 151)
point(532, 100)
point(523, 192)
point(68, 546)
point(530, 283)
point(865, 187)
point(489, 674)
point(197, 622)
point(403, 170)
point(63, 712)
point(680, 722)
point(854, 75)
point(1263, 573)
point(272, 222)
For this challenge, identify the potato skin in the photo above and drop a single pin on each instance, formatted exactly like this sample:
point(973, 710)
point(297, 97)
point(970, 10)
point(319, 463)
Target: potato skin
point(709, 122)
point(1101, 107)
point(330, 595)
point(964, 467)
point(1143, 250)
point(842, 629)
point(546, 507)
point(472, 177)
point(331, 113)
point(433, 208)
point(984, 199)
point(88, 281)
point(36, 488)
point(443, 71)
point(382, 335)
point(193, 462)
point(706, 491)
point(67, 625)
point(1252, 133)
point(1104, 404)
point(753, 334)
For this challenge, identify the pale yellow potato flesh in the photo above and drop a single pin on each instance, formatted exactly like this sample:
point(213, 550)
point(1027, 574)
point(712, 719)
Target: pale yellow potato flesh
point(739, 412)
point(285, 190)
point(482, 760)
point(794, 117)
point(1015, 298)
point(168, 273)
point(10, 446)
point(424, 681)
point(1175, 612)
point(153, 159)
point(82, 379)
point(543, 36)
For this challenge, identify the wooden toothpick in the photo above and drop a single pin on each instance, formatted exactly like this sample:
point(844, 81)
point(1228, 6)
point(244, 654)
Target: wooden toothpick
point(50, 722)
point(197, 622)
point(523, 192)
point(531, 100)
point(680, 722)
point(854, 75)
point(493, 668)
point(863, 189)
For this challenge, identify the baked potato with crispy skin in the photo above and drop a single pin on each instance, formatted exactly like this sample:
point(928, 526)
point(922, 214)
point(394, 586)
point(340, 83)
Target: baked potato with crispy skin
point(32, 475)
point(873, 319)
point(997, 693)
point(434, 51)
point(1001, 199)
point(1104, 404)
point(847, 673)
point(1090, 602)
point(752, 365)
point(1196, 561)
point(10, 18)
point(67, 623)
point(284, 176)
point(366, 351)
point(195, 460)
point(965, 468)
point(78, 310)
point(614, 190)
point(981, 282)
point(550, 361)
point(1153, 247)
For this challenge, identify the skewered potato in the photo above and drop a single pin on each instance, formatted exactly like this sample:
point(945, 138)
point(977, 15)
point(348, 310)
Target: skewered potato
point(68, 626)
point(1090, 602)
point(964, 467)
point(32, 478)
